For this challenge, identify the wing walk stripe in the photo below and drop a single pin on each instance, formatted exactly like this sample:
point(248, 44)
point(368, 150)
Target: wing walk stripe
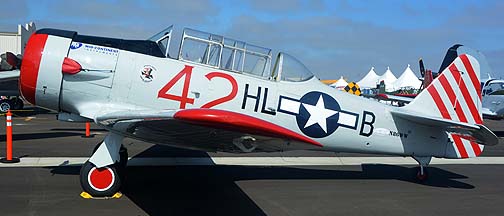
point(472, 74)
point(465, 94)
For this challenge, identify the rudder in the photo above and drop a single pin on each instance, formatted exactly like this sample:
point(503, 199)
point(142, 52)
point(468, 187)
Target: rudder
point(455, 95)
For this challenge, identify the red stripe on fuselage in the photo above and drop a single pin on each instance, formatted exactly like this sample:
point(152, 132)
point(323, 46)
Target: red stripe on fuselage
point(30, 66)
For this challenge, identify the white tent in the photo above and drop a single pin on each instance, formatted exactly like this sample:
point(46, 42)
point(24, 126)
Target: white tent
point(408, 79)
point(369, 81)
point(389, 79)
point(340, 84)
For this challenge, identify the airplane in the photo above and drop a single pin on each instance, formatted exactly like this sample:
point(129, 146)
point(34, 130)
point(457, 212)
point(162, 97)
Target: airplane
point(9, 73)
point(493, 98)
point(399, 97)
point(221, 94)
point(402, 96)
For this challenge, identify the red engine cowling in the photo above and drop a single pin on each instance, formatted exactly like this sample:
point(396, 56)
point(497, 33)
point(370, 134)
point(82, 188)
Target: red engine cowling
point(41, 69)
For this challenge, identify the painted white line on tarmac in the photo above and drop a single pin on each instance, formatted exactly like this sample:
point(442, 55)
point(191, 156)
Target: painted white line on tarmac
point(251, 161)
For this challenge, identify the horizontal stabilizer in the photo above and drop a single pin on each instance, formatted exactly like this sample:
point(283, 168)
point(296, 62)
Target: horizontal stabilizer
point(395, 98)
point(477, 132)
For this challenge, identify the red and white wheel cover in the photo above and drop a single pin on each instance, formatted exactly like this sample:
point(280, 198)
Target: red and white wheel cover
point(101, 179)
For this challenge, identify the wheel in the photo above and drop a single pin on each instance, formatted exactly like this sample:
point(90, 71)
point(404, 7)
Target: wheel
point(17, 104)
point(123, 160)
point(100, 182)
point(421, 177)
point(5, 105)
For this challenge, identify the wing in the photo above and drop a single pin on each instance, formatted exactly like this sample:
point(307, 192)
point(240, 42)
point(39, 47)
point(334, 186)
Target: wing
point(477, 133)
point(9, 75)
point(207, 129)
point(488, 112)
point(394, 98)
point(388, 97)
point(9, 83)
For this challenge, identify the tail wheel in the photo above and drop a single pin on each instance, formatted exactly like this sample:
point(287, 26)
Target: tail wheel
point(422, 176)
point(100, 182)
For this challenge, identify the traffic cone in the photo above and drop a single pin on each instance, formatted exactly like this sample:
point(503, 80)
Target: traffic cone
point(8, 149)
point(88, 131)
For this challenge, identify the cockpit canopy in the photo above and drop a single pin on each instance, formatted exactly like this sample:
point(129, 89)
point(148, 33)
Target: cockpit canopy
point(232, 55)
point(494, 87)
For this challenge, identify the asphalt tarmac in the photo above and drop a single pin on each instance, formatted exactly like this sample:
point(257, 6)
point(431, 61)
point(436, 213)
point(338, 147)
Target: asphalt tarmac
point(370, 189)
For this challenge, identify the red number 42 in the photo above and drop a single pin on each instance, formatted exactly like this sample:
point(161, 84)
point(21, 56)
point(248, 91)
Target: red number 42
point(184, 99)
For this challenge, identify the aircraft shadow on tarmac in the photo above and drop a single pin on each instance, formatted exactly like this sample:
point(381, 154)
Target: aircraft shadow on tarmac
point(499, 133)
point(203, 190)
point(31, 111)
point(79, 129)
point(32, 136)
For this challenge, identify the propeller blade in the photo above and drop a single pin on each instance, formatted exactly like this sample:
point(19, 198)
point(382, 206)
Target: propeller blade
point(422, 67)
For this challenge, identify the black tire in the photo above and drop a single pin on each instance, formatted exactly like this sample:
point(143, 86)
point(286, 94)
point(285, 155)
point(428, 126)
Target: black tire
point(123, 160)
point(102, 182)
point(123, 157)
point(422, 177)
point(5, 105)
point(17, 104)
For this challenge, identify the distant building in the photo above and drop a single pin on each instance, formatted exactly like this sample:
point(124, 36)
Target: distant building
point(15, 42)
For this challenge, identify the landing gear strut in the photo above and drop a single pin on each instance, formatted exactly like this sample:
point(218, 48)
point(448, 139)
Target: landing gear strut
point(103, 173)
point(422, 173)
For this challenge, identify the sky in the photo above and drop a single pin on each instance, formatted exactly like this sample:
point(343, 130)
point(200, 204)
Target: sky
point(332, 38)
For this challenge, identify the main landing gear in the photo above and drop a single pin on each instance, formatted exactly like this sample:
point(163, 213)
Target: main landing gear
point(423, 162)
point(103, 173)
point(100, 182)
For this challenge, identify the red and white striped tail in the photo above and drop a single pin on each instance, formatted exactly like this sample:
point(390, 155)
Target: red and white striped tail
point(455, 95)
